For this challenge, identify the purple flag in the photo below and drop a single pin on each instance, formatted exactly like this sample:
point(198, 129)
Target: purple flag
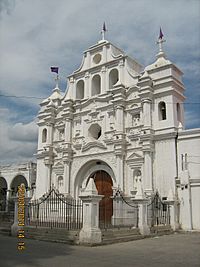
point(161, 34)
point(54, 69)
point(104, 27)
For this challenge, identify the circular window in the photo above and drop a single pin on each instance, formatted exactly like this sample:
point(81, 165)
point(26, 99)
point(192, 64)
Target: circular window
point(97, 58)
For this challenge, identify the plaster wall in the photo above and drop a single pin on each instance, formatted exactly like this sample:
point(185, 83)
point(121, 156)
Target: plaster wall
point(164, 166)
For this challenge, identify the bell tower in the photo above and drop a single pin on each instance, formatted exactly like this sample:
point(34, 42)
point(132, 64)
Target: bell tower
point(168, 93)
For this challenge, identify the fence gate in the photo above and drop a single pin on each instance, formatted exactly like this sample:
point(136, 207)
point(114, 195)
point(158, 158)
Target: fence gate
point(158, 212)
point(118, 212)
point(54, 210)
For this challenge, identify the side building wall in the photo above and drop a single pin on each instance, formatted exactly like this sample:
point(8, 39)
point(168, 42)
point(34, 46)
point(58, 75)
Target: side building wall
point(188, 181)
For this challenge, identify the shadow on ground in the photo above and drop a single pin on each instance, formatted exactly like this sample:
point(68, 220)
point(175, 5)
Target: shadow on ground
point(34, 252)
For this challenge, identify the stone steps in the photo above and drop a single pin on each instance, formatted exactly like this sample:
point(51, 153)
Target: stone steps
point(161, 230)
point(53, 235)
point(110, 236)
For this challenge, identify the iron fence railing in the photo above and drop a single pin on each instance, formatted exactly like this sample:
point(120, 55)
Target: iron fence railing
point(54, 210)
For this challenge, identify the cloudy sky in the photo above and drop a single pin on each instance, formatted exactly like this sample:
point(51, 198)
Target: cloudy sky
point(35, 35)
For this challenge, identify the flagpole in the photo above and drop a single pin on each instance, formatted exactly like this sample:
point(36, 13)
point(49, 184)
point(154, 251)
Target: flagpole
point(103, 31)
point(56, 80)
point(103, 35)
point(160, 41)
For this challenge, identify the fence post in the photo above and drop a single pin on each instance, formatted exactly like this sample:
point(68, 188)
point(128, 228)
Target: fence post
point(15, 227)
point(174, 212)
point(142, 223)
point(90, 232)
point(142, 201)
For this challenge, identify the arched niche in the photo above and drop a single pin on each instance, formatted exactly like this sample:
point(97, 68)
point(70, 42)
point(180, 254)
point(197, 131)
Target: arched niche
point(162, 111)
point(96, 85)
point(80, 87)
point(44, 135)
point(113, 77)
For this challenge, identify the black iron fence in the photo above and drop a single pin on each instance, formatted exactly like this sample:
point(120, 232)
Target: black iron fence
point(158, 212)
point(54, 210)
point(117, 212)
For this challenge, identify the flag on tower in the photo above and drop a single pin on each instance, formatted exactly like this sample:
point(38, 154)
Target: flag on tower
point(54, 69)
point(104, 27)
point(161, 34)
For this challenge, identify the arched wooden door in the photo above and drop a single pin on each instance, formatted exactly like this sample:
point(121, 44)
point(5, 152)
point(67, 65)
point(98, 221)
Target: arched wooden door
point(104, 185)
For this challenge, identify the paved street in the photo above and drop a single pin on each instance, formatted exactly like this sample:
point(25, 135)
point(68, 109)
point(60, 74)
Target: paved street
point(169, 251)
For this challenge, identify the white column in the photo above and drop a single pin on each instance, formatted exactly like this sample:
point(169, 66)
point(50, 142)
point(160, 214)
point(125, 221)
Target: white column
point(104, 54)
point(48, 175)
point(68, 130)
point(148, 177)
point(120, 172)
point(121, 71)
point(87, 85)
point(103, 80)
point(147, 113)
point(50, 134)
point(67, 166)
point(119, 119)
point(72, 88)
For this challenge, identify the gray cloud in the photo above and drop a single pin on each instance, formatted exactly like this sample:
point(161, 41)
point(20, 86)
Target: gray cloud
point(24, 132)
point(7, 6)
point(38, 34)
point(18, 141)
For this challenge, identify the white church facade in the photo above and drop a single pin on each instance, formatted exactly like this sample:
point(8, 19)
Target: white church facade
point(120, 124)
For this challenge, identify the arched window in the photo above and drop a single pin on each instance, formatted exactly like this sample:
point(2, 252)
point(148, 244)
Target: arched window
point(113, 77)
point(80, 89)
point(178, 108)
point(96, 85)
point(162, 111)
point(44, 135)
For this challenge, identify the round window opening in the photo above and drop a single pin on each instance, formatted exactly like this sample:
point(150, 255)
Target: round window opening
point(97, 58)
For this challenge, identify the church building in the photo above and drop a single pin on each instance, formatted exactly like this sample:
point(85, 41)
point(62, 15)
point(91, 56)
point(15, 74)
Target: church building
point(121, 124)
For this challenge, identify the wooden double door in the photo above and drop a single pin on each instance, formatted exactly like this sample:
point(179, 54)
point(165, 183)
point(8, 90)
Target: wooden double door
point(104, 185)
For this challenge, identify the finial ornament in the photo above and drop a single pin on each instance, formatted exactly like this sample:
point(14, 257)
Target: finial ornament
point(103, 31)
point(160, 41)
